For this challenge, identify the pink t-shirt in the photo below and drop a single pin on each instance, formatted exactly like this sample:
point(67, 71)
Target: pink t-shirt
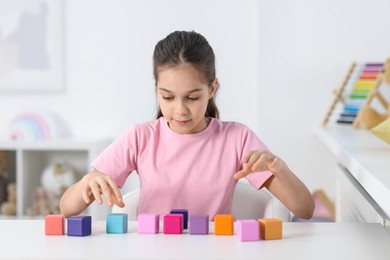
point(190, 171)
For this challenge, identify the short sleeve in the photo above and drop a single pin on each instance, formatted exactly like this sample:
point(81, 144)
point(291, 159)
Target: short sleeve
point(250, 143)
point(118, 160)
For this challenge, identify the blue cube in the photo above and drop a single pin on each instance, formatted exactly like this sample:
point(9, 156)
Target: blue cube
point(184, 212)
point(79, 226)
point(116, 223)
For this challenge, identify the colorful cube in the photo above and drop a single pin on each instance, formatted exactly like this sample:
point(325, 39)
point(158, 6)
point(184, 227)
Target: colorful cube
point(116, 223)
point(185, 216)
point(270, 228)
point(54, 225)
point(248, 230)
point(148, 223)
point(173, 224)
point(199, 225)
point(223, 224)
point(79, 225)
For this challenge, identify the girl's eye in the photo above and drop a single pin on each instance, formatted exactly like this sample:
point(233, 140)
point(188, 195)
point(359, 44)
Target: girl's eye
point(167, 98)
point(193, 98)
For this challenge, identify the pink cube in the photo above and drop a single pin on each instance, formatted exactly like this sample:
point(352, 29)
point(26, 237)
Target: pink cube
point(148, 223)
point(248, 230)
point(173, 224)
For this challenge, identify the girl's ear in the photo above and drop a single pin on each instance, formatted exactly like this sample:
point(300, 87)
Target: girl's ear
point(214, 87)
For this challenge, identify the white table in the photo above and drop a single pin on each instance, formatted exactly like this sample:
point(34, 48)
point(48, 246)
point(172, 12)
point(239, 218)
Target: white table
point(25, 239)
point(366, 157)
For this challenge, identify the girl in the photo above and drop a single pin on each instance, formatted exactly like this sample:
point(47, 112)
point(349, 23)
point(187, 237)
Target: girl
point(186, 158)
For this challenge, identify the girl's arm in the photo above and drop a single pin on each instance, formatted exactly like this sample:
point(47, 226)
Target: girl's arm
point(91, 187)
point(283, 184)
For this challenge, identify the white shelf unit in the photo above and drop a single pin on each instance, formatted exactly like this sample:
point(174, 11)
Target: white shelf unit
point(28, 159)
point(363, 185)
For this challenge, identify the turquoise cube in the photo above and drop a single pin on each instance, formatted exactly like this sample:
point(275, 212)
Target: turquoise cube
point(116, 223)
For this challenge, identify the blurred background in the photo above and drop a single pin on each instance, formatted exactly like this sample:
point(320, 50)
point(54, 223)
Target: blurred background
point(278, 62)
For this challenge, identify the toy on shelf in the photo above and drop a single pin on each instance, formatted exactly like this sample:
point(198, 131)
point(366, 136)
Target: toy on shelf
point(338, 93)
point(55, 179)
point(382, 131)
point(58, 177)
point(9, 206)
point(34, 126)
point(3, 176)
point(362, 82)
point(369, 117)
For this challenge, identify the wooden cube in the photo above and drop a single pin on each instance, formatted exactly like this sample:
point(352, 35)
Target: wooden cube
point(79, 225)
point(148, 223)
point(54, 225)
point(199, 225)
point(116, 223)
point(185, 216)
point(223, 224)
point(248, 230)
point(270, 228)
point(173, 224)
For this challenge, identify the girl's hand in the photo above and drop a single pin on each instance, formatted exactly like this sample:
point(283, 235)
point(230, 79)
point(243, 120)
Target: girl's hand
point(257, 161)
point(97, 184)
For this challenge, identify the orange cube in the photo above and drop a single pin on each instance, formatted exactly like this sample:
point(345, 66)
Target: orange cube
point(270, 228)
point(223, 224)
point(54, 225)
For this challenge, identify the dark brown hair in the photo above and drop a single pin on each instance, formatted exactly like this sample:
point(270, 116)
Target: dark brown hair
point(191, 48)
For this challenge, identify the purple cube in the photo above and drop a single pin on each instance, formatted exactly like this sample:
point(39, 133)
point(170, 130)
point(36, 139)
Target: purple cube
point(79, 226)
point(248, 230)
point(184, 212)
point(199, 225)
point(148, 223)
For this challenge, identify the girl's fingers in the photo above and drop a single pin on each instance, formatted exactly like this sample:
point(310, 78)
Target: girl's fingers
point(115, 189)
point(254, 157)
point(262, 163)
point(240, 174)
point(98, 185)
point(96, 192)
point(85, 195)
point(105, 190)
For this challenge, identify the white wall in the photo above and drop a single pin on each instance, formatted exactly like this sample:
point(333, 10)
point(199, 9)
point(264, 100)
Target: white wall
point(306, 47)
point(109, 46)
point(277, 61)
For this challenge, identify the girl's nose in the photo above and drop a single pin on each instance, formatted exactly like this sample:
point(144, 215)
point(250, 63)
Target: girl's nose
point(181, 108)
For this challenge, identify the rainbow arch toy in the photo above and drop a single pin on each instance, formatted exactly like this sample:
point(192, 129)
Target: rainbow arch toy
point(34, 126)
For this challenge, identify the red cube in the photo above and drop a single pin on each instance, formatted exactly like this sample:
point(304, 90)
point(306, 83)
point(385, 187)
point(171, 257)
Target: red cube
point(54, 225)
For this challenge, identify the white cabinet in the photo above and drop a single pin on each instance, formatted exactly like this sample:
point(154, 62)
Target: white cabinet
point(353, 203)
point(363, 184)
point(27, 160)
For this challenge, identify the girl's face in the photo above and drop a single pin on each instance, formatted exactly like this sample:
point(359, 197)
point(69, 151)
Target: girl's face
point(183, 97)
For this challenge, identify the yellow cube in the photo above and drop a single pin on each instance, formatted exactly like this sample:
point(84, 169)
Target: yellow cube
point(270, 228)
point(223, 224)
